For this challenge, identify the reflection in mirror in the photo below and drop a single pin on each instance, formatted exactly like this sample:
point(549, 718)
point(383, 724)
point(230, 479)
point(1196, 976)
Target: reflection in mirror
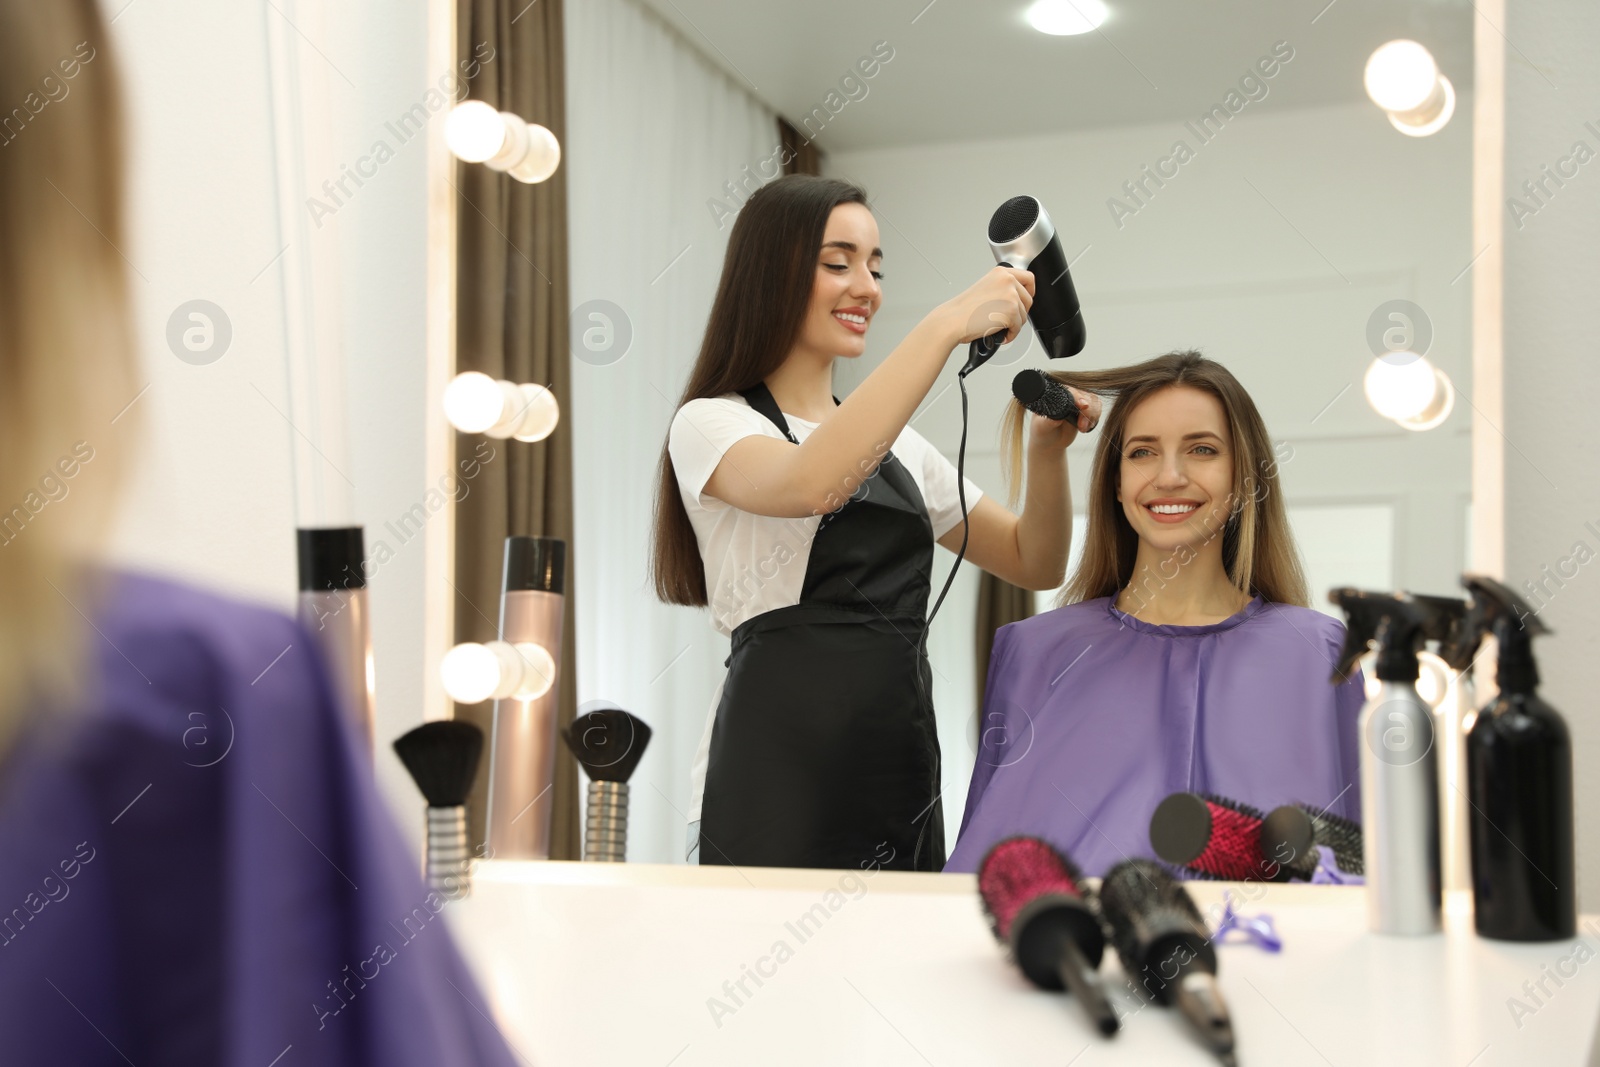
point(1219, 179)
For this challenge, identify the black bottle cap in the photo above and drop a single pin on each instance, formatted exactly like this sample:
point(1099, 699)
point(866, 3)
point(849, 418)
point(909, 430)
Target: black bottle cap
point(330, 557)
point(535, 563)
point(1396, 622)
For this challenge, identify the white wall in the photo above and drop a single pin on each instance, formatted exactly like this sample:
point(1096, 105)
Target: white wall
point(213, 501)
point(1268, 250)
point(1551, 392)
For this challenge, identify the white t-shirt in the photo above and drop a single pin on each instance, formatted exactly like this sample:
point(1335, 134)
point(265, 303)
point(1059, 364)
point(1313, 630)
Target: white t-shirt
point(757, 563)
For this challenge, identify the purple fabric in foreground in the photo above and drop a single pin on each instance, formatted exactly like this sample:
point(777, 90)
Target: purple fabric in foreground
point(1092, 717)
point(200, 871)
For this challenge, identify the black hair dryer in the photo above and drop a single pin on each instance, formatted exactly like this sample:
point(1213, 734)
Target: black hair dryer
point(1022, 235)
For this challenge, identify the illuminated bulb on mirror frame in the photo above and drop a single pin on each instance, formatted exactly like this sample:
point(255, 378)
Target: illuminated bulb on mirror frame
point(1406, 388)
point(477, 403)
point(1066, 18)
point(497, 670)
point(474, 131)
point(501, 140)
point(1403, 79)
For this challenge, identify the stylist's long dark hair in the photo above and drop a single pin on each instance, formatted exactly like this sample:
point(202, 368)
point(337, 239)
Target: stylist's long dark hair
point(761, 304)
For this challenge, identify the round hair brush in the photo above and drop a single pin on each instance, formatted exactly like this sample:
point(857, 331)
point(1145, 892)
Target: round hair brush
point(1165, 947)
point(609, 742)
point(442, 757)
point(1031, 896)
point(1297, 829)
point(1219, 838)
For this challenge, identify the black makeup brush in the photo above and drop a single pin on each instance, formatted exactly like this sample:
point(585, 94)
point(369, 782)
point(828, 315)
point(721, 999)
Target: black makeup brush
point(1298, 828)
point(1165, 947)
point(1031, 895)
point(609, 742)
point(443, 758)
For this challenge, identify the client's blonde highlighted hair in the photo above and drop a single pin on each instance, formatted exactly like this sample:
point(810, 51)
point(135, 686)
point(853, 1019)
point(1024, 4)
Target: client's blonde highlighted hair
point(1258, 546)
point(67, 364)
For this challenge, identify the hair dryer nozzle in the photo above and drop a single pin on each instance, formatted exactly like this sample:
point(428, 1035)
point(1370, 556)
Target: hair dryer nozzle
point(1022, 235)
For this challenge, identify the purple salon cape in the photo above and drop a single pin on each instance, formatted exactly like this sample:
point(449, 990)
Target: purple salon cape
point(198, 870)
point(1091, 717)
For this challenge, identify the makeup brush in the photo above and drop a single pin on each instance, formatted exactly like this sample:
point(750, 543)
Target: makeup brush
point(609, 742)
point(1215, 837)
point(442, 757)
point(1031, 895)
point(1298, 828)
point(1165, 947)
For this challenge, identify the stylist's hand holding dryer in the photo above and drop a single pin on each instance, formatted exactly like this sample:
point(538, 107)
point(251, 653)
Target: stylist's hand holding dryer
point(807, 526)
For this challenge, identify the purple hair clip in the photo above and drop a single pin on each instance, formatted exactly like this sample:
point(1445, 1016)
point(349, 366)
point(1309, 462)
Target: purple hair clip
point(1258, 929)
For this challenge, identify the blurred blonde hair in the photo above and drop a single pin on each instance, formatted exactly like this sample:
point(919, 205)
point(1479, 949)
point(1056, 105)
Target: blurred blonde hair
point(1258, 547)
point(67, 361)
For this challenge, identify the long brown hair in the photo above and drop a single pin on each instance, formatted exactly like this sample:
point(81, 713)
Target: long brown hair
point(760, 308)
point(67, 360)
point(1258, 549)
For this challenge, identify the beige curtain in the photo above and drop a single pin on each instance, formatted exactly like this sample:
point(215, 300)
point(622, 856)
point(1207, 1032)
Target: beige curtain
point(801, 156)
point(511, 323)
point(999, 603)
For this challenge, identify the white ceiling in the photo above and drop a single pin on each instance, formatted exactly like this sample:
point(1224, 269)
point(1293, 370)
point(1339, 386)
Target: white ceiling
point(967, 70)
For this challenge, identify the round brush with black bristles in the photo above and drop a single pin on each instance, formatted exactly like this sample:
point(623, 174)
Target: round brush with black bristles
point(442, 757)
point(609, 742)
point(1032, 896)
point(1298, 828)
point(1215, 837)
point(1165, 947)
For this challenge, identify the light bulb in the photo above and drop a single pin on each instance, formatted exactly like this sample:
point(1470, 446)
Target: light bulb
point(1065, 18)
point(474, 402)
point(1400, 75)
point(1400, 385)
point(474, 131)
point(1429, 119)
point(537, 674)
point(470, 673)
point(1434, 414)
point(537, 417)
point(473, 673)
point(541, 157)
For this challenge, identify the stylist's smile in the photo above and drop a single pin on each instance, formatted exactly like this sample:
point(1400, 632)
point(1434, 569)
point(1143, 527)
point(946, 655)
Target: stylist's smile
point(1170, 510)
point(854, 319)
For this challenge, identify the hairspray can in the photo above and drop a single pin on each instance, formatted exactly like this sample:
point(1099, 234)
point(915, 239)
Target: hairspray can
point(333, 606)
point(523, 744)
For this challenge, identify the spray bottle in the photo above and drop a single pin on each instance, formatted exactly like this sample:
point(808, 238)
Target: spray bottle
point(1451, 715)
point(1519, 776)
point(1399, 767)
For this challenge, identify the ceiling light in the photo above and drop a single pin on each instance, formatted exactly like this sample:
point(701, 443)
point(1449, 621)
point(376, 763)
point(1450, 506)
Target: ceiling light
point(1064, 18)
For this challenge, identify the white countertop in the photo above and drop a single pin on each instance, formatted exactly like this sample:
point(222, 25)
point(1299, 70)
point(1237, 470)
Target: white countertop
point(638, 965)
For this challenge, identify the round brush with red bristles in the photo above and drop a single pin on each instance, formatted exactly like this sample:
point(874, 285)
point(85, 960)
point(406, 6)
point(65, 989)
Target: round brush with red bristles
point(1219, 838)
point(1031, 895)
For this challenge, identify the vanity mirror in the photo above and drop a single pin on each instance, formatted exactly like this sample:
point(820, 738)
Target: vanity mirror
point(1222, 178)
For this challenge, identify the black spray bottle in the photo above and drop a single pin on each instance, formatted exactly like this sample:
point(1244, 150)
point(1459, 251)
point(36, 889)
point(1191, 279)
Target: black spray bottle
point(1399, 764)
point(1519, 775)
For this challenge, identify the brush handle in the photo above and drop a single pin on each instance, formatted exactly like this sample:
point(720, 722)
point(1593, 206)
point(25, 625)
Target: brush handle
point(605, 831)
point(1084, 983)
point(446, 859)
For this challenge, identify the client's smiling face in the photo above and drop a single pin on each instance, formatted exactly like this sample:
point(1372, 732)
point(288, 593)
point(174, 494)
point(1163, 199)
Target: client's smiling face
point(1175, 480)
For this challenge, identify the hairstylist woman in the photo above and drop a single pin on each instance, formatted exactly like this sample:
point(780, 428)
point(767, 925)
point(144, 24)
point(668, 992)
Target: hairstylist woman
point(807, 526)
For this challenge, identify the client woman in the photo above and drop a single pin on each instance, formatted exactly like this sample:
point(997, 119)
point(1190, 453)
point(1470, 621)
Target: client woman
point(1185, 657)
point(196, 868)
point(811, 540)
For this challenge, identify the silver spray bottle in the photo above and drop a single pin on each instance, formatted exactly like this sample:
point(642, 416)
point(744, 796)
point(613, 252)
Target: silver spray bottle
point(1399, 763)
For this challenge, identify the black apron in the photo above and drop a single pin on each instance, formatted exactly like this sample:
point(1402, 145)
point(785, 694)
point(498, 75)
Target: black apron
point(824, 751)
